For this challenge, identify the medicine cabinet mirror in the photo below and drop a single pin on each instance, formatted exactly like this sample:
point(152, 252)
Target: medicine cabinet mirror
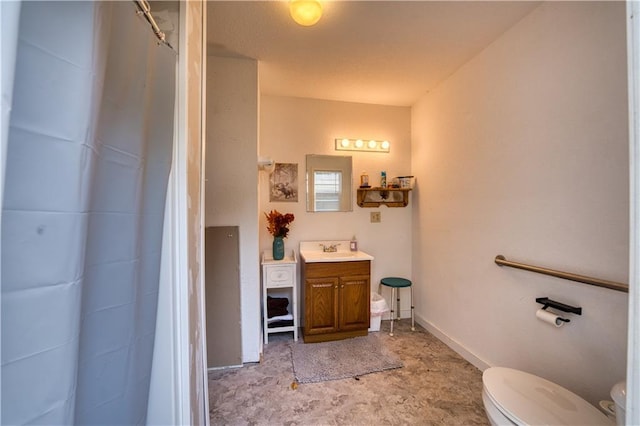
point(329, 183)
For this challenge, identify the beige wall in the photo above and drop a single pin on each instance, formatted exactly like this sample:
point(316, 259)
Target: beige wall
point(524, 152)
point(231, 192)
point(290, 128)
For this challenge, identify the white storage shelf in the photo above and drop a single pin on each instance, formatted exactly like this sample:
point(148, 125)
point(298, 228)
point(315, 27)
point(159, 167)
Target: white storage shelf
point(279, 280)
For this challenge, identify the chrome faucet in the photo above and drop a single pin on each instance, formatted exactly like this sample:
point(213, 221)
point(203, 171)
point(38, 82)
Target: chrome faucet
point(330, 248)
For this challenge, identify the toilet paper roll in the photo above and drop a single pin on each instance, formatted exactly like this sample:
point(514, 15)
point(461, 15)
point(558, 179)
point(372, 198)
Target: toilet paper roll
point(549, 317)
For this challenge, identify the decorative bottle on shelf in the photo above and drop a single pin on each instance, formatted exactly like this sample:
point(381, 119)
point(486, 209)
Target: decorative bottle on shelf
point(383, 179)
point(364, 180)
point(353, 246)
point(278, 248)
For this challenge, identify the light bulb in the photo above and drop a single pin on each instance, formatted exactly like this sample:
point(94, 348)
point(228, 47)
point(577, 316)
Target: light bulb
point(372, 144)
point(305, 12)
point(345, 143)
point(385, 144)
point(359, 143)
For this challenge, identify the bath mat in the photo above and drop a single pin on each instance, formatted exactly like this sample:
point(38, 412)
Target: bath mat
point(341, 359)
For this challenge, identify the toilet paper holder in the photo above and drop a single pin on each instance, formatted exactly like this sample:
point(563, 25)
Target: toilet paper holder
point(548, 303)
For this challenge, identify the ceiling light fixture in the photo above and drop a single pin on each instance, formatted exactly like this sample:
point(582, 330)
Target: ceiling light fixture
point(359, 145)
point(305, 12)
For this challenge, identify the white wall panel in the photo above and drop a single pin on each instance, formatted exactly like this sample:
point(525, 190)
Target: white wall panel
point(524, 152)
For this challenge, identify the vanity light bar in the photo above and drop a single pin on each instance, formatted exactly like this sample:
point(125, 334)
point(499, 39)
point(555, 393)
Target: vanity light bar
point(366, 145)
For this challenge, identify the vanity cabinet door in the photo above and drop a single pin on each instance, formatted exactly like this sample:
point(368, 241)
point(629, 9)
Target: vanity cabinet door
point(354, 302)
point(321, 305)
point(337, 298)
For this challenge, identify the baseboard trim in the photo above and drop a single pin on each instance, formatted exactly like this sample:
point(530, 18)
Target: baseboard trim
point(460, 349)
point(225, 367)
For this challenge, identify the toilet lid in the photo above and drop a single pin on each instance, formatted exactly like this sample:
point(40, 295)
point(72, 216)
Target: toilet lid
point(532, 400)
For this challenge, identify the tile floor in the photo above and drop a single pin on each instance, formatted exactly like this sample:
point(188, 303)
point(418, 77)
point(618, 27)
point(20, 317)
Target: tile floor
point(435, 387)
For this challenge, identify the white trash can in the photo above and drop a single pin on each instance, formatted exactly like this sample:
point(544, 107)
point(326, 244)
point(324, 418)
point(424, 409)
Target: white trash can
point(378, 308)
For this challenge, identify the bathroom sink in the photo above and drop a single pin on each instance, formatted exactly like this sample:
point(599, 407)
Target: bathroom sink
point(313, 251)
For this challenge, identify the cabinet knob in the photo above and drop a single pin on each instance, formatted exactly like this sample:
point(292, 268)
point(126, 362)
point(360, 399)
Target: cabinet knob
point(342, 286)
point(336, 287)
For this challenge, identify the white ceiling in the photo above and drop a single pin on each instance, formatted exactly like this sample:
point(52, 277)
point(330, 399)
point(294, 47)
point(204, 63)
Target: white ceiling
point(379, 52)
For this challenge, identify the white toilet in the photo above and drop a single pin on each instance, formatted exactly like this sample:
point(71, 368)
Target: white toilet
point(513, 397)
point(619, 395)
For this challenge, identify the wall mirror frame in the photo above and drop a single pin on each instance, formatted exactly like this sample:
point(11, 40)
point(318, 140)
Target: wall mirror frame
point(329, 182)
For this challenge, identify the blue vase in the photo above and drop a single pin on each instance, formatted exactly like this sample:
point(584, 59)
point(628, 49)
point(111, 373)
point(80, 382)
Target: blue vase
point(278, 248)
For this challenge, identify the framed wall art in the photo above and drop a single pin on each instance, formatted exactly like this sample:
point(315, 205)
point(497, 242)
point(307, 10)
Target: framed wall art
point(283, 183)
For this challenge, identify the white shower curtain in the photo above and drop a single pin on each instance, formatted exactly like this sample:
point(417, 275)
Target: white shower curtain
point(88, 157)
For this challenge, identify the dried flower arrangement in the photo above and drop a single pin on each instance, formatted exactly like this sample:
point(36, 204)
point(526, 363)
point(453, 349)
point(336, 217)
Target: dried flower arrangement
point(278, 223)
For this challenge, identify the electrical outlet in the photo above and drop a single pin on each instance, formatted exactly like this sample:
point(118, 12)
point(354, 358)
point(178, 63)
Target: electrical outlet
point(375, 217)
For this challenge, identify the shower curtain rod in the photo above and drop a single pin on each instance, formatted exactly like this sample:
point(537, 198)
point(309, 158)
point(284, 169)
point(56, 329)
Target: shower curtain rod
point(501, 261)
point(145, 10)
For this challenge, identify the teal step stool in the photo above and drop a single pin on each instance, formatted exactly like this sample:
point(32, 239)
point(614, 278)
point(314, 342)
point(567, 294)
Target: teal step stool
point(396, 284)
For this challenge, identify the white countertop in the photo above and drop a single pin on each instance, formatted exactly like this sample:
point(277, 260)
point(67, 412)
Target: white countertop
point(312, 251)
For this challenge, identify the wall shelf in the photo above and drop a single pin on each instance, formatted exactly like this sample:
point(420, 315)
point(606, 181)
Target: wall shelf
point(390, 197)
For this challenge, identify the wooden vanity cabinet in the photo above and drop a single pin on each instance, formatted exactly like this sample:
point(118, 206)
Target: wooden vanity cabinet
point(336, 300)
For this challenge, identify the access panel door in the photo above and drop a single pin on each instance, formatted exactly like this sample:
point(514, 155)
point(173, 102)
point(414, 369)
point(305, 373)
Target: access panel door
point(222, 296)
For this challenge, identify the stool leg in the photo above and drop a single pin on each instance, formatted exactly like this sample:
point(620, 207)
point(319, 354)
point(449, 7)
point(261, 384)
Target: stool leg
point(398, 302)
point(413, 321)
point(393, 295)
